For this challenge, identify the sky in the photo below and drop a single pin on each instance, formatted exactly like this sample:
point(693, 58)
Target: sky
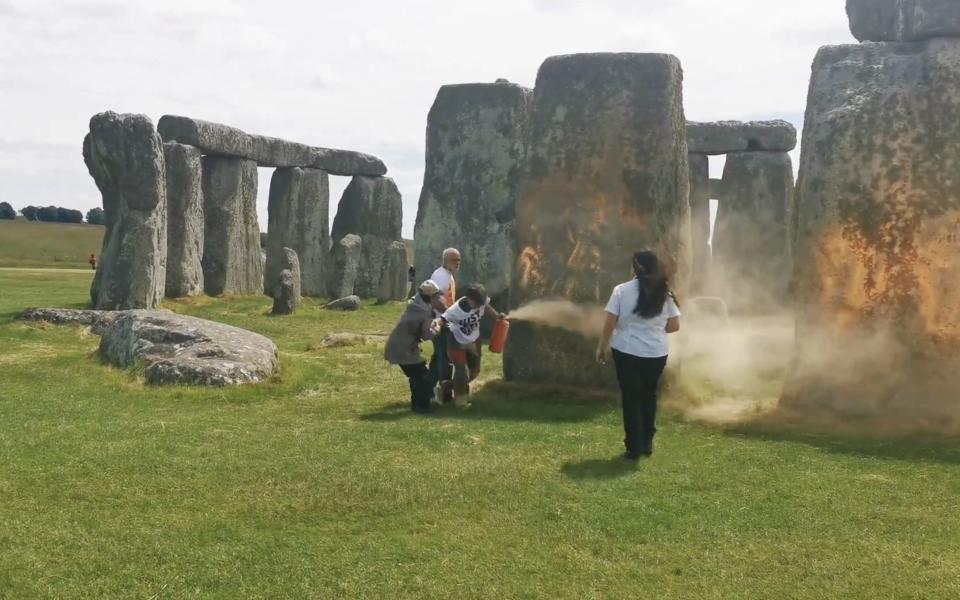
point(359, 75)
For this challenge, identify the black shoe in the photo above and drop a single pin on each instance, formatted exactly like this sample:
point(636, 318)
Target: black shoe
point(422, 411)
point(631, 455)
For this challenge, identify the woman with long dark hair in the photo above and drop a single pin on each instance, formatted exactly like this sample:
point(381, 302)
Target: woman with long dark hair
point(639, 316)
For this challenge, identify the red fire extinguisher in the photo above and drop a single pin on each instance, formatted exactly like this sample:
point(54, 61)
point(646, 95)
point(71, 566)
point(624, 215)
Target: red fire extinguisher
point(498, 339)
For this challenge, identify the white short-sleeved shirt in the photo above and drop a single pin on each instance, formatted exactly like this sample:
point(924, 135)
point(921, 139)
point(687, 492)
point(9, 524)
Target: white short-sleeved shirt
point(447, 284)
point(635, 335)
point(465, 324)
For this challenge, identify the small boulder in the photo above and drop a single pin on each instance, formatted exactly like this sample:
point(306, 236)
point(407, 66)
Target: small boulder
point(348, 303)
point(286, 291)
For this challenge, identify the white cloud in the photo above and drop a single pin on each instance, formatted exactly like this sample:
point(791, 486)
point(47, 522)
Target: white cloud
point(358, 75)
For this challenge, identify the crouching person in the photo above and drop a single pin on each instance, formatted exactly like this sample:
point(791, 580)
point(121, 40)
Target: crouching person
point(462, 321)
point(403, 346)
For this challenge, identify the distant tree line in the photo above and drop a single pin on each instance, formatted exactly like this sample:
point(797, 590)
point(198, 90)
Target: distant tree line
point(52, 214)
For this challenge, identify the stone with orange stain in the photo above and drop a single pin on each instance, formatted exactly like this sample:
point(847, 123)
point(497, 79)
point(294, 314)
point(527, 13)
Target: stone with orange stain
point(608, 175)
point(878, 234)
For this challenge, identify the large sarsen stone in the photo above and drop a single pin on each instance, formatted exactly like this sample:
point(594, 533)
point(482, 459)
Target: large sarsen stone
point(232, 263)
point(124, 155)
point(371, 207)
point(903, 20)
point(298, 211)
point(184, 220)
point(608, 176)
point(475, 164)
point(878, 234)
point(223, 140)
point(723, 137)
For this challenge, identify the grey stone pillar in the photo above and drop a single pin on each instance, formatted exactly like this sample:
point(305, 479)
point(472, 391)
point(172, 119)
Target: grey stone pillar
point(476, 150)
point(608, 176)
point(232, 263)
point(371, 207)
point(878, 249)
point(124, 155)
point(751, 242)
point(699, 221)
point(299, 219)
point(184, 220)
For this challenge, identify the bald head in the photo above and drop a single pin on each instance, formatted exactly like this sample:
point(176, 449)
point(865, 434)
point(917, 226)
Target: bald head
point(451, 259)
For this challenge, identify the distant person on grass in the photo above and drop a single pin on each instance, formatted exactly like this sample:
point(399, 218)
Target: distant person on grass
point(639, 316)
point(463, 339)
point(403, 346)
point(445, 276)
point(93, 262)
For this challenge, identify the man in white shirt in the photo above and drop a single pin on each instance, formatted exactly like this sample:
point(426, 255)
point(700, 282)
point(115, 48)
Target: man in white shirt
point(445, 278)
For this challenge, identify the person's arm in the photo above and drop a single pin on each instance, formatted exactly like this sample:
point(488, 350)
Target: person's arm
point(673, 325)
point(494, 312)
point(428, 329)
point(603, 349)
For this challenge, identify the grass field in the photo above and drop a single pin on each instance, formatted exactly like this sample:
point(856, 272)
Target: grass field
point(34, 244)
point(320, 484)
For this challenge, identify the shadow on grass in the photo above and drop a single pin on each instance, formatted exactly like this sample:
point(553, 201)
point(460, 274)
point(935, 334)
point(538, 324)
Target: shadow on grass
point(499, 400)
point(599, 468)
point(938, 448)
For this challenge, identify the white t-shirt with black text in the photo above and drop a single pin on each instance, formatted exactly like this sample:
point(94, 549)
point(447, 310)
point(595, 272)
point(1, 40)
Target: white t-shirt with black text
point(463, 323)
point(646, 338)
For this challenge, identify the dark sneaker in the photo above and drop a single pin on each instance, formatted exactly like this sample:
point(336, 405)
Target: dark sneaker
point(632, 455)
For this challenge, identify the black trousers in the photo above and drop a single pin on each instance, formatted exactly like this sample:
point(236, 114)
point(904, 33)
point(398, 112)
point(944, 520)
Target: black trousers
point(421, 385)
point(638, 378)
point(440, 363)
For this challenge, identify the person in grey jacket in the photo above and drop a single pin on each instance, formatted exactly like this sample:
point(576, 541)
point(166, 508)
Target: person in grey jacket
point(403, 346)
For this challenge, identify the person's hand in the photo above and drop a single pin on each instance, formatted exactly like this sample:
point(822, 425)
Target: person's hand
point(603, 355)
point(502, 317)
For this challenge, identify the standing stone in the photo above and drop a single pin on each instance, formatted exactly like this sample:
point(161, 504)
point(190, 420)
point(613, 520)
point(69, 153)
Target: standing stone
point(298, 218)
point(371, 208)
point(903, 20)
point(699, 221)
point(287, 289)
point(124, 155)
point(184, 220)
point(476, 152)
point(878, 250)
point(345, 261)
point(751, 248)
point(232, 262)
point(608, 176)
point(393, 279)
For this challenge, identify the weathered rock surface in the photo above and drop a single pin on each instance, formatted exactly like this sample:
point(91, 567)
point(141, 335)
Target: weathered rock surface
point(184, 220)
point(345, 265)
point(903, 20)
point(393, 280)
point(232, 263)
point(346, 303)
point(699, 221)
point(174, 348)
point(299, 219)
point(96, 319)
point(723, 137)
point(186, 350)
point(371, 207)
point(608, 176)
point(752, 260)
point(716, 189)
point(476, 152)
point(124, 155)
point(287, 289)
point(878, 251)
point(223, 140)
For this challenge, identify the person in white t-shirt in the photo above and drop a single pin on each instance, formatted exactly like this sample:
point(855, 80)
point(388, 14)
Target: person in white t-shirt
point(445, 276)
point(639, 316)
point(463, 338)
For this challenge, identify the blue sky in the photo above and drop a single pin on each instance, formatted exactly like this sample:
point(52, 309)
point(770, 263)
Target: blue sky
point(359, 75)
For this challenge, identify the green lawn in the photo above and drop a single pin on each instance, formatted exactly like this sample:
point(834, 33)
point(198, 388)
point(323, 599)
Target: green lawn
point(320, 484)
point(33, 244)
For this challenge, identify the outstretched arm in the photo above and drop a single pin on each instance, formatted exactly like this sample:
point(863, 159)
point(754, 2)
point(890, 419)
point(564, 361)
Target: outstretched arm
point(603, 348)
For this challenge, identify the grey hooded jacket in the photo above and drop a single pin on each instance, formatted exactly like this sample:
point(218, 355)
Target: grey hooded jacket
point(403, 345)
